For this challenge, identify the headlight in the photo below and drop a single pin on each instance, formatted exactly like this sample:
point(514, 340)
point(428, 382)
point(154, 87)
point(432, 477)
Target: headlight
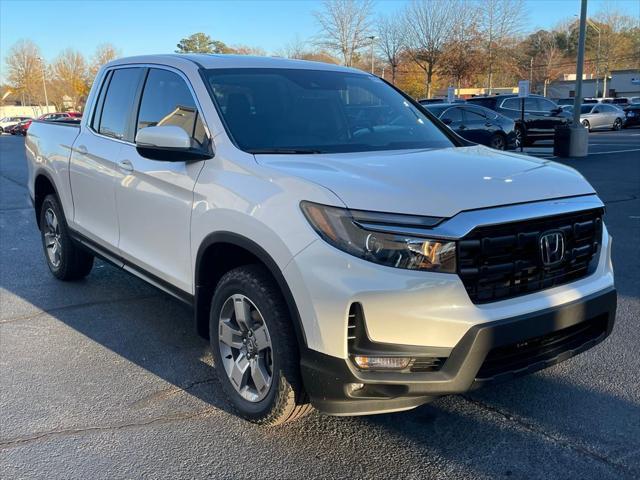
point(342, 229)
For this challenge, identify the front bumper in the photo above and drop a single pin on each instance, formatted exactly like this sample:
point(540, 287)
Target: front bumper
point(489, 352)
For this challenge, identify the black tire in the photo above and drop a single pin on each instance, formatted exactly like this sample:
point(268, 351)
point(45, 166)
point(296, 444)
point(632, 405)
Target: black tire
point(498, 142)
point(286, 399)
point(617, 124)
point(74, 261)
point(586, 124)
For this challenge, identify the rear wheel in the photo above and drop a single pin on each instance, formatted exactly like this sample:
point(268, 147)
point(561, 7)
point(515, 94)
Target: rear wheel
point(617, 124)
point(255, 349)
point(66, 259)
point(498, 141)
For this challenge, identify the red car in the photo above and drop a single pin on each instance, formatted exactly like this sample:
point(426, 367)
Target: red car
point(20, 128)
point(58, 115)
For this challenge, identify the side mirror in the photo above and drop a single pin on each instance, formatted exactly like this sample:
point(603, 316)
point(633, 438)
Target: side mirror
point(556, 111)
point(167, 143)
point(447, 121)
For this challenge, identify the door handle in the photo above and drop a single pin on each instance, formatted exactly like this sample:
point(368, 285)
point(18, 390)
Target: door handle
point(488, 124)
point(125, 165)
point(82, 150)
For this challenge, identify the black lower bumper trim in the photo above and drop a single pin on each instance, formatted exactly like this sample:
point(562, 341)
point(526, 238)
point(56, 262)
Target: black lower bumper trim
point(530, 342)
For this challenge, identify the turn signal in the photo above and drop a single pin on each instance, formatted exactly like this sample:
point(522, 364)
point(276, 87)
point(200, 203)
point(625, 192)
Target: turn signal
point(381, 363)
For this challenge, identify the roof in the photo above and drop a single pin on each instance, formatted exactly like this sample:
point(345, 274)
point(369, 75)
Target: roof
point(232, 61)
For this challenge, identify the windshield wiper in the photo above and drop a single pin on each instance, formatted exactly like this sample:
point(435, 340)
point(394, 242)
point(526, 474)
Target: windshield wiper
point(285, 151)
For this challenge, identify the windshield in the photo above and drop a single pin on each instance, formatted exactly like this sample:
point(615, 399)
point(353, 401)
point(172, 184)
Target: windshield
point(317, 111)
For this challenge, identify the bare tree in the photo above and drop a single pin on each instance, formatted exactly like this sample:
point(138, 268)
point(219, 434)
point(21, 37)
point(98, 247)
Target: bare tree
point(70, 74)
point(104, 54)
point(25, 70)
point(499, 21)
point(296, 48)
point(460, 55)
point(428, 28)
point(391, 42)
point(345, 25)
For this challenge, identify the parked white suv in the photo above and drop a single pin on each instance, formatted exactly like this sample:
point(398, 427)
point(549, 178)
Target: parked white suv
point(340, 246)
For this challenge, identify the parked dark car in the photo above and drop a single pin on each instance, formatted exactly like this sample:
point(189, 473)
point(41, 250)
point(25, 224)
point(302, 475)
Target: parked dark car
point(20, 128)
point(477, 124)
point(632, 115)
point(541, 115)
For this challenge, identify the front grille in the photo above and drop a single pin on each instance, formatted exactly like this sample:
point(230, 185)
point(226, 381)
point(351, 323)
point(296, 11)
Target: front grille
point(543, 351)
point(504, 261)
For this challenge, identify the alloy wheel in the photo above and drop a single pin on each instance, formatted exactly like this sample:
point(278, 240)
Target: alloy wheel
point(245, 348)
point(52, 238)
point(497, 142)
point(518, 137)
point(617, 124)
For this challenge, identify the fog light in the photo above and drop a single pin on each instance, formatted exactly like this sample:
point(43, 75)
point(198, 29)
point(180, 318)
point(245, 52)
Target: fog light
point(381, 363)
point(354, 387)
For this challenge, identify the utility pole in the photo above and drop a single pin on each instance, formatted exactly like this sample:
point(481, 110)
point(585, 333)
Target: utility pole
point(577, 101)
point(531, 73)
point(372, 38)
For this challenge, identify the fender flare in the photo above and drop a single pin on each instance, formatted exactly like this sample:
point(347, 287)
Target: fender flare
point(42, 172)
point(204, 292)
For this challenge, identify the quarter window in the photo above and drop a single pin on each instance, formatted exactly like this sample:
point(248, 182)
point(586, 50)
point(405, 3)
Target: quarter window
point(119, 104)
point(168, 101)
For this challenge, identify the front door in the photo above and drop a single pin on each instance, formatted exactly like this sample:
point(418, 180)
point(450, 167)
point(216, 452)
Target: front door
point(154, 198)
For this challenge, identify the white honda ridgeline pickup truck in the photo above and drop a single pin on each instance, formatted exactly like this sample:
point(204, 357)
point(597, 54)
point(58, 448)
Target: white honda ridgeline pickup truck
point(340, 246)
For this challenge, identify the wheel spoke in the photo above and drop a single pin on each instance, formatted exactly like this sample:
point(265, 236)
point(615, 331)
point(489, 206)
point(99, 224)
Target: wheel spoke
point(49, 239)
point(261, 337)
point(259, 375)
point(242, 311)
point(239, 371)
point(48, 217)
point(230, 336)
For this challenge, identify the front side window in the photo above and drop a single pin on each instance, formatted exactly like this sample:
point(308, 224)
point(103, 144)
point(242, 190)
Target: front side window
point(273, 110)
point(474, 114)
point(452, 115)
point(167, 100)
point(511, 103)
point(545, 105)
point(119, 104)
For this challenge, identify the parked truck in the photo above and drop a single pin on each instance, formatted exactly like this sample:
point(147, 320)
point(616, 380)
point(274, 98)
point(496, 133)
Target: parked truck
point(340, 246)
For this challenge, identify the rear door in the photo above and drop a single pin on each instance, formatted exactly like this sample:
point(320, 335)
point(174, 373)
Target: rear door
point(93, 167)
point(154, 198)
point(479, 127)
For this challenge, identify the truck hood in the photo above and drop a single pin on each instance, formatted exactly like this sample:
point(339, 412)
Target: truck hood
point(435, 182)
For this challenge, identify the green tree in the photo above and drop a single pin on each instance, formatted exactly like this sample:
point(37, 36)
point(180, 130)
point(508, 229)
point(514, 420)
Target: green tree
point(201, 43)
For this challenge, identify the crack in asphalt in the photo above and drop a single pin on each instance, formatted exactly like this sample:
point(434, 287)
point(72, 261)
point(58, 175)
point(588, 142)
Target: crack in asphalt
point(73, 307)
point(620, 200)
point(9, 179)
point(168, 392)
point(530, 427)
point(6, 444)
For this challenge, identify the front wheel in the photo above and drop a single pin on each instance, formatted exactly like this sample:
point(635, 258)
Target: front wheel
point(617, 124)
point(66, 259)
point(498, 142)
point(254, 347)
point(586, 125)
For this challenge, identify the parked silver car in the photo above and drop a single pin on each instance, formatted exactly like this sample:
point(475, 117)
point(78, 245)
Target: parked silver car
point(601, 115)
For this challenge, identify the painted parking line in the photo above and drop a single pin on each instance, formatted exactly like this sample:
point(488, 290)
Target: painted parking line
point(615, 151)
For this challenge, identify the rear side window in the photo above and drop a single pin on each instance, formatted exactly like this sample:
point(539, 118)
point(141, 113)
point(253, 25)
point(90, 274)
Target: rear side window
point(118, 105)
point(474, 114)
point(167, 100)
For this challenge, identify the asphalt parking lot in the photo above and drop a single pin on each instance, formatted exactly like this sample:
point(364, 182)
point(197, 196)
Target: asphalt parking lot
point(106, 378)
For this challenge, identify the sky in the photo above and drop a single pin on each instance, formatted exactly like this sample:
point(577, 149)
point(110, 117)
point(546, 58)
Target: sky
point(143, 27)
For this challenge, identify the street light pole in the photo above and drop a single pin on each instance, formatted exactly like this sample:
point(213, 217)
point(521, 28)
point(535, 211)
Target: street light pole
point(577, 101)
point(597, 29)
point(372, 38)
point(44, 86)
